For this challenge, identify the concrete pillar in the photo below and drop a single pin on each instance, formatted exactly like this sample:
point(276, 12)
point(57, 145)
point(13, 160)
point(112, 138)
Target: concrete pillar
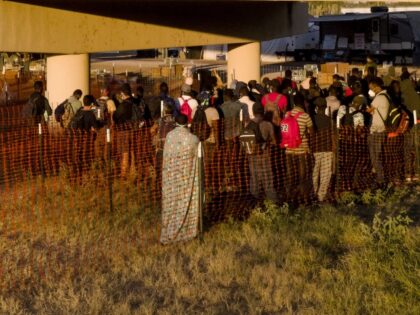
point(66, 73)
point(244, 62)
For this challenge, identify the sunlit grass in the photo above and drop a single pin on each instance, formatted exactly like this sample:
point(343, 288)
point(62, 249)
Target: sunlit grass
point(67, 254)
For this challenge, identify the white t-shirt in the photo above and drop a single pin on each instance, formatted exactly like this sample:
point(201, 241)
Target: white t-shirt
point(381, 105)
point(249, 103)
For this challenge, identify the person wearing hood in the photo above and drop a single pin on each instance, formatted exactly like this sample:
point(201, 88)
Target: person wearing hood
point(180, 184)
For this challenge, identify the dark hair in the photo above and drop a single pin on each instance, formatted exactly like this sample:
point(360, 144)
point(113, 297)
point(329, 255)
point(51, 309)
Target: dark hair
point(181, 120)
point(164, 88)
point(356, 85)
point(78, 93)
point(140, 90)
point(228, 93)
point(288, 73)
point(88, 100)
point(243, 91)
point(299, 99)
point(355, 71)
point(405, 75)
point(257, 109)
point(332, 90)
point(252, 84)
point(38, 85)
point(285, 84)
point(312, 82)
point(371, 71)
point(126, 89)
point(267, 116)
point(377, 81)
point(275, 84)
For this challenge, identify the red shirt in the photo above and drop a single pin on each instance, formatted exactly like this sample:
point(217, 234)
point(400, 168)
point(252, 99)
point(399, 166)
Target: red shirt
point(282, 103)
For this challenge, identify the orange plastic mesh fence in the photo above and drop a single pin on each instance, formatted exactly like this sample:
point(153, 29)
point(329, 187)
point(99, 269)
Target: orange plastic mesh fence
point(50, 175)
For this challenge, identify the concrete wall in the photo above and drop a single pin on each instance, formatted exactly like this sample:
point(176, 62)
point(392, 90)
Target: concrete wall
point(65, 74)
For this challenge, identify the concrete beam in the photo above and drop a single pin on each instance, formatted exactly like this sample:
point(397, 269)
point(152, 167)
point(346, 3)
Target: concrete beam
point(29, 28)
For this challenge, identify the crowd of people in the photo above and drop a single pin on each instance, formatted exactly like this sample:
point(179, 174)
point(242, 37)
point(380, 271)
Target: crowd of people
point(299, 119)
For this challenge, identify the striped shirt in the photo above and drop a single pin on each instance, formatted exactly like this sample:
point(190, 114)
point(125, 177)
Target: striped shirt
point(304, 122)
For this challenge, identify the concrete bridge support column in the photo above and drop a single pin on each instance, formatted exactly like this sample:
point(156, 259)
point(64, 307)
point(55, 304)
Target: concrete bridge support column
point(244, 62)
point(66, 73)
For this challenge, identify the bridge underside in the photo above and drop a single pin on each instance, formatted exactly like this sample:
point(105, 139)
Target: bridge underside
point(70, 27)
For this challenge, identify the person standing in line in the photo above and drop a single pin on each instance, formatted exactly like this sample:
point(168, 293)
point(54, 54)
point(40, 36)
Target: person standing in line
point(298, 158)
point(379, 110)
point(262, 179)
point(244, 99)
point(37, 105)
point(180, 184)
point(105, 103)
point(322, 148)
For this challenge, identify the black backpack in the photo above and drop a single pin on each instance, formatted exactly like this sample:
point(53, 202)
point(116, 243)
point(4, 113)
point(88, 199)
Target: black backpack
point(394, 116)
point(100, 110)
point(59, 111)
point(347, 119)
point(139, 111)
point(199, 124)
point(76, 121)
point(34, 107)
point(251, 139)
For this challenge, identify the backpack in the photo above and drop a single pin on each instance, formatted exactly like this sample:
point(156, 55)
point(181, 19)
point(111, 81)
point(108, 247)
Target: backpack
point(76, 121)
point(290, 133)
point(199, 125)
point(186, 109)
point(404, 125)
point(347, 119)
point(251, 139)
point(68, 115)
point(394, 116)
point(101, 110)
point(272, 106)
point(137, 113)
point(59, 111)
point(33, 107)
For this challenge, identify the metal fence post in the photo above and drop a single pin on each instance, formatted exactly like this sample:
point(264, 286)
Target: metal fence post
point(337, 162)
point(41, 162)
point(109, 149)
point(200, 188)
point(416, 143)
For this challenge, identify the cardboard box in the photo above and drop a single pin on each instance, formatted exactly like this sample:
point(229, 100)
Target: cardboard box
point(336, 67)
point(324, 79)
point(167, 72)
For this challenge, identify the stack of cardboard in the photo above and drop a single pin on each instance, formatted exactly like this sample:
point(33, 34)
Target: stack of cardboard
point(341, 68)
point(324, 79)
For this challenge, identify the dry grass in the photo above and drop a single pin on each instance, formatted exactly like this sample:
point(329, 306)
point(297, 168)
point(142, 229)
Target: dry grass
point(77, 258)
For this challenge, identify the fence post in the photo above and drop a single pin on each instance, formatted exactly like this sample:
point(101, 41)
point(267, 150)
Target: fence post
point(109, 147)
point(200, 188)
point(337, 162)
point(416, 143)
point(41, 162)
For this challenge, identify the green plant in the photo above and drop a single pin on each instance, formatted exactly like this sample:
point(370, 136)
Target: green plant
point(391, 229)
